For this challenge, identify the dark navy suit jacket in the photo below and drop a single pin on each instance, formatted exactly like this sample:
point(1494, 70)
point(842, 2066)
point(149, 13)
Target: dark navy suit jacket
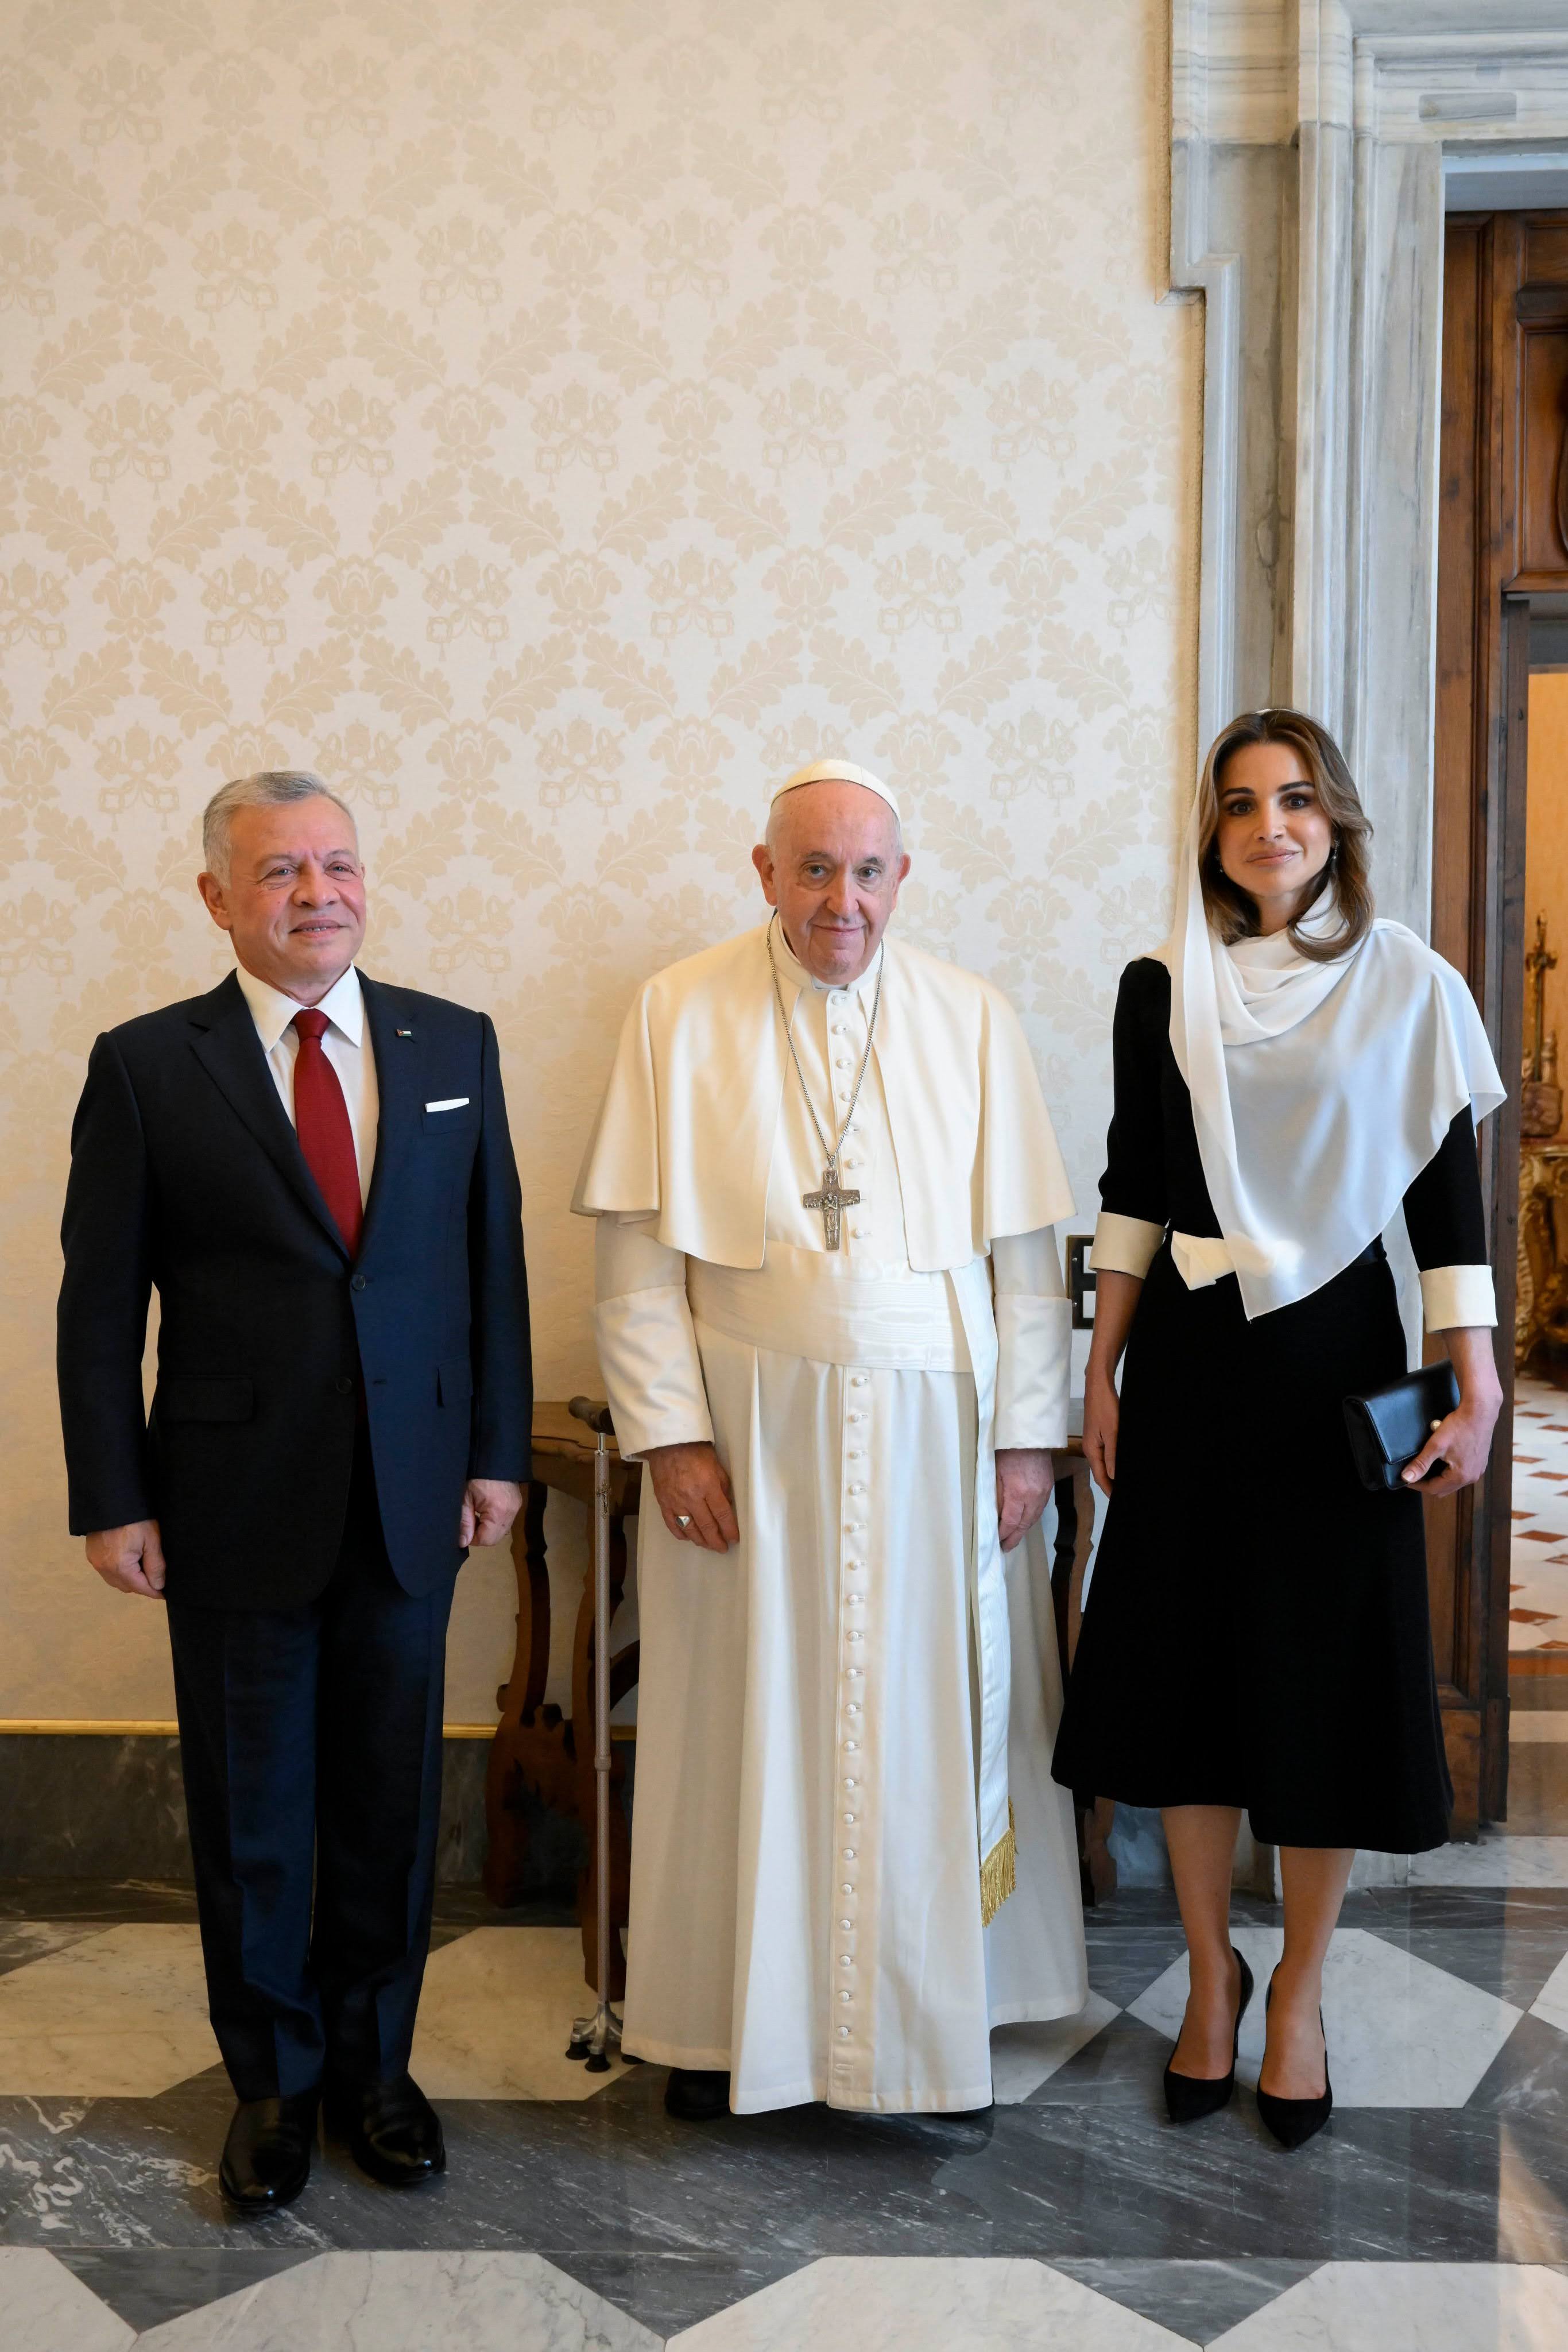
point(187, 1176)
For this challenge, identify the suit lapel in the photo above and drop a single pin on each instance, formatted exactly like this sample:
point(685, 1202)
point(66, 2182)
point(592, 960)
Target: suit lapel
point(398, 1058)
point(225, 1042)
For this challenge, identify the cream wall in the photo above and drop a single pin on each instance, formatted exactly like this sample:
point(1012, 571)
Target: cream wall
point(552, 423)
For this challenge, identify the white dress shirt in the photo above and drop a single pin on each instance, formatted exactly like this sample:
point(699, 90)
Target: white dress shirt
point(345, 1044)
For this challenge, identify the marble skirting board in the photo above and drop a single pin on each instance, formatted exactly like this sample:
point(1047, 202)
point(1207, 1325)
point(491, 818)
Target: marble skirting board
point(109, 1805)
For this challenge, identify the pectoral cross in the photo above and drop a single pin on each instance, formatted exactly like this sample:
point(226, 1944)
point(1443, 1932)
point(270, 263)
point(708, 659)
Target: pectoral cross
point(830, 1200)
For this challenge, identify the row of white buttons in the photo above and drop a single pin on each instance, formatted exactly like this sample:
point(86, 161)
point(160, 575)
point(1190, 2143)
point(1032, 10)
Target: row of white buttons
point(854, 1565)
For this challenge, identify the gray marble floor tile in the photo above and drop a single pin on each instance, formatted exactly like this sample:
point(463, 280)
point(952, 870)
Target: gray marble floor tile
point(1122, 2064)
point(670, 2292)
point(148, 2286)
point(1512, 1960)
point(1195, 2300)
point(397, 2302)
point(23, 1942)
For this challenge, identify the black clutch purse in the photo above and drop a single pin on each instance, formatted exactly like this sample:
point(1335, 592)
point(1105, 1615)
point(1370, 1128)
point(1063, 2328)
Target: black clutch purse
point(1388, 1428)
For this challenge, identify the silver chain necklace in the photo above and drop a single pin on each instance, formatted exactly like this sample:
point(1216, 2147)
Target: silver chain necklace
point(832, 1199)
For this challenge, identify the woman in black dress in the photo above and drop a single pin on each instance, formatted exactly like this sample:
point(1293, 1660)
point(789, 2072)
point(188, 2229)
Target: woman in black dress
point(1287, 1074)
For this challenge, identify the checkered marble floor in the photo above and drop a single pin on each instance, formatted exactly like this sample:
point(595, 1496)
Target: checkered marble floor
point(1431, 2217)
point(1538, 1584)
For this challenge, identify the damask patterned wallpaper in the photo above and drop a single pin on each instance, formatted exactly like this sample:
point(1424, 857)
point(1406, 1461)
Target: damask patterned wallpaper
point(553, 421)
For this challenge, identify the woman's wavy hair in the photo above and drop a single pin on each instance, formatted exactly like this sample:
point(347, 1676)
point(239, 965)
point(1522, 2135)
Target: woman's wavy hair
point(1232, 911)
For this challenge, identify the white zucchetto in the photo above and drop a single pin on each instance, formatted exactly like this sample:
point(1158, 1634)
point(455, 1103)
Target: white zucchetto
point(835, 771)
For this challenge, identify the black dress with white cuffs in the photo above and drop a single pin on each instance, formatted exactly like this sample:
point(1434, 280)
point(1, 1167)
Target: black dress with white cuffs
point(1257, 1630)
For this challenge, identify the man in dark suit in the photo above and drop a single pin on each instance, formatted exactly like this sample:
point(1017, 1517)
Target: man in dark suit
point(315, 1172)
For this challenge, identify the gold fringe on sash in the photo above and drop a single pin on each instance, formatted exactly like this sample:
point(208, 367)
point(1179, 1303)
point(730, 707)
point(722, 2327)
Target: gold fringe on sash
point(999, 1872)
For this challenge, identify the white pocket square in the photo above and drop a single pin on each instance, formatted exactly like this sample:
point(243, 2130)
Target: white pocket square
point(455, 1102)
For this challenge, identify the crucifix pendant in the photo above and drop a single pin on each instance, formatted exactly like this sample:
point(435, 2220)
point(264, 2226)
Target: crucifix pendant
point(830, 1200)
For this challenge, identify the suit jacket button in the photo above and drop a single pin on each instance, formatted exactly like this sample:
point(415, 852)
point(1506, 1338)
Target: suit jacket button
point(344, 1386)
point(357, 1283)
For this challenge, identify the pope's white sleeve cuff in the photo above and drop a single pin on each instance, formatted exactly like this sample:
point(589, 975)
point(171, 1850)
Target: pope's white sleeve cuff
point(647, 1347)
point(1457, 1297)
point(1124, 1245)
point(1034, 1344)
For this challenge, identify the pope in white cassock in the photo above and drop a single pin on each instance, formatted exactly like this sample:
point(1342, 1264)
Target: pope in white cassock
point(831, 1322)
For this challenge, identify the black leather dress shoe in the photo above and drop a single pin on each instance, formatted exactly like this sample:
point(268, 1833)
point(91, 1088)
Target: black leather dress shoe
point(266, 2155)
point(696, 2095)
point(391, 2129)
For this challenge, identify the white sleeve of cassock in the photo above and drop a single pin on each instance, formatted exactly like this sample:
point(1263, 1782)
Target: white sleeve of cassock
point(1034, 1337)
point(647, 1347)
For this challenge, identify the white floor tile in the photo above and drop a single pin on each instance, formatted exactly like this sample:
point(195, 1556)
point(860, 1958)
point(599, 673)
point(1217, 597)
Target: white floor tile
point(1494, 1860)
point(912, 2304)
point(1401, 2034)
point(407, 2303)
point(1025, 2056)
point(46, 2308)
point(496, 2015)
point(1537, 1573)
point(122, 2014)
point(1411, 2307)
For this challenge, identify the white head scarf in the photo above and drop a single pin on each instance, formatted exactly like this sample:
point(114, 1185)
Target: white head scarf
point(1320, 1091)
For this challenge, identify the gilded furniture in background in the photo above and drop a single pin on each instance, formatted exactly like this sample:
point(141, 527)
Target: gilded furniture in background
point(1541, 1312)
point(1540, 1302)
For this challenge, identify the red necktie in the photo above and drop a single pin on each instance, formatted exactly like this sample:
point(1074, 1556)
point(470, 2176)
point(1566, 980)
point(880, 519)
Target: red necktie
point(321, 1123)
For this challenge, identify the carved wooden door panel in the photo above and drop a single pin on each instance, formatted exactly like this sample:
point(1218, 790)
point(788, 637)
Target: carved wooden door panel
point(1502, 537)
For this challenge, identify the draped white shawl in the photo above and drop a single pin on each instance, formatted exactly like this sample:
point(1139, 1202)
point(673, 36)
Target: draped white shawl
point(1320, 1091)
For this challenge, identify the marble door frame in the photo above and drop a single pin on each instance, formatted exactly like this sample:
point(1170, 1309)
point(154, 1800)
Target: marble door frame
point(1308, 146)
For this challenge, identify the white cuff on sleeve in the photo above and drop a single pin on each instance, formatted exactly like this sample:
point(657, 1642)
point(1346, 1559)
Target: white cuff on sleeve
point(1034, 1341)
point(1124, 1245)
point(1457, 1297)
point(653, 1372)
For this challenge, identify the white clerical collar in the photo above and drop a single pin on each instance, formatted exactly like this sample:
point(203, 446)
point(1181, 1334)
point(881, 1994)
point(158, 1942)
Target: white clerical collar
point(791, 968)
point(272, 1012)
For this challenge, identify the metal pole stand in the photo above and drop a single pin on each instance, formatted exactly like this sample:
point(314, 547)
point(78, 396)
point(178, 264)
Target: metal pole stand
point(593, 2038)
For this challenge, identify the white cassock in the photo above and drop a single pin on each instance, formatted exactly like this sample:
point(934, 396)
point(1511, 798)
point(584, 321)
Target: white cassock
point(839, 1719)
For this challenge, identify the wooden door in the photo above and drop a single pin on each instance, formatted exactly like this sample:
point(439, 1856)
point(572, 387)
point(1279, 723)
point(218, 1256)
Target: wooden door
point(1502, 536)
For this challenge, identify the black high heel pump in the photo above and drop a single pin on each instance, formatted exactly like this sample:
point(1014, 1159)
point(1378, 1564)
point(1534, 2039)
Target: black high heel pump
point(1190, 2097)
point(1293, 2122)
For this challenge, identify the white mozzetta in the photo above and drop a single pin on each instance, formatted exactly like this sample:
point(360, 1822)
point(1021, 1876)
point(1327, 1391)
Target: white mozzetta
point(1457, 1297)
point(1124, 1245)
point(687, 1128)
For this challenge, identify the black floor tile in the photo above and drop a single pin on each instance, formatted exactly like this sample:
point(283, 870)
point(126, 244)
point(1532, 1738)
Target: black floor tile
point(1196, 2300)
point(144, 2288)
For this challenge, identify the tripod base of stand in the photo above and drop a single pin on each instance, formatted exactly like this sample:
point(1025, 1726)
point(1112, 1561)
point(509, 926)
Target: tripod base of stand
point(593, 2038)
